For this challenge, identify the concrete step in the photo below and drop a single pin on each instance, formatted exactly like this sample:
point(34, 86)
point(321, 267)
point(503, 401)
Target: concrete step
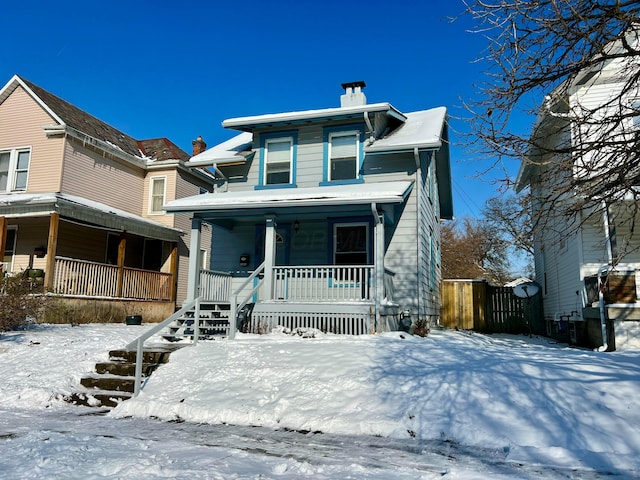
point(156, 354)
point(125, 369)
point(113, 383)
point(98, 398)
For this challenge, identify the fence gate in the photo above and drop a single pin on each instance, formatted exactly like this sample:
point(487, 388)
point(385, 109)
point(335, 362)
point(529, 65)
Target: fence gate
point(476, 305)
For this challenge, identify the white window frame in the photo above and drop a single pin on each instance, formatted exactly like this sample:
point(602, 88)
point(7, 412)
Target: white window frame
point(7, 267)
point(268, 141)
point(204, 265)
point(351, 224)
point(346, 133)
point(12, 173)
point(152, 181)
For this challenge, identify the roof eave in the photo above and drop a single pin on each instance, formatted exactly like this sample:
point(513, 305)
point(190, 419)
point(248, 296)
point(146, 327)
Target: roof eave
point(248, 124)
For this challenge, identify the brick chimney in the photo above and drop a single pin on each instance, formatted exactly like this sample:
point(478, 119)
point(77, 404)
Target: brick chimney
point(198, 146)
point(353, 95)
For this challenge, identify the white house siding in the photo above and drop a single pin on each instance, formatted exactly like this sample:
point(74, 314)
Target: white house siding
point(102, 179)
point(21, 121)
point(560, 276)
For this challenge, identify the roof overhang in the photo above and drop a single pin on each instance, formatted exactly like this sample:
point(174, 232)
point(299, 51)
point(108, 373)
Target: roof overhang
point(232, 151)
point(248, 124)
point(78, 209)
point(293, 199)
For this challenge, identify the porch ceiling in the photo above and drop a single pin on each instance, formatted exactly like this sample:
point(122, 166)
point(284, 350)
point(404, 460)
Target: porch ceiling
point(84, 211)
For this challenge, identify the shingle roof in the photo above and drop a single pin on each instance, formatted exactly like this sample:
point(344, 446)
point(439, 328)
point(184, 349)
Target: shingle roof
point(156, 149)
point(162, 149)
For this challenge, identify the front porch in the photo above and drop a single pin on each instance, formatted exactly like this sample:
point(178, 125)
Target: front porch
point(302, 257)
point(331, 298)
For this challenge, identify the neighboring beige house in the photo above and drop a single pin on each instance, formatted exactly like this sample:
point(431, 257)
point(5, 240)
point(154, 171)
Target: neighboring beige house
point(81, 203)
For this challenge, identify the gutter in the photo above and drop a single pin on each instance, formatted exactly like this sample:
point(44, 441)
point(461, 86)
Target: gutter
point(51, 130)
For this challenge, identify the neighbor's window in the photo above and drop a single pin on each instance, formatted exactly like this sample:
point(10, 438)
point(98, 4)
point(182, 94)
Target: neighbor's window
point(278, 159)
point(14, 169)
point(156, 199)
point(343, 155)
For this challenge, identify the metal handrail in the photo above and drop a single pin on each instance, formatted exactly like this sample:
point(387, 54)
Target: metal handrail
point(138, 343)
point(235, 307)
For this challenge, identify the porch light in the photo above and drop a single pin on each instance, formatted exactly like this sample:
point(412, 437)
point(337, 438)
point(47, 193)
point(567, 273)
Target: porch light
point(40, 251)
point(296, 226)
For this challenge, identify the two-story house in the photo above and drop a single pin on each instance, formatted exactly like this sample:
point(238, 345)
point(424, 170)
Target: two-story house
point(81, 205)
point(326, 218)
point(588, 252)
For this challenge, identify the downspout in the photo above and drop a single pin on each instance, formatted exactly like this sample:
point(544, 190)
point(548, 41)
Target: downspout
point(603, 313)
point(379, 265)
point(419, 272)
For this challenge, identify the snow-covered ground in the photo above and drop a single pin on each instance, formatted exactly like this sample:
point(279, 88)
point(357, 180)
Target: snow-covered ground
point(451, 405)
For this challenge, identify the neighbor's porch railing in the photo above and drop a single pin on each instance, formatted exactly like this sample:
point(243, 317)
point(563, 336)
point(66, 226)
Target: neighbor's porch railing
point(84, 278)
point(215, 285)
point(315, 283)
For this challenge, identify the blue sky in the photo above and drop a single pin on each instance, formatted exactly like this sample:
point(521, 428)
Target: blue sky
point(178, 69)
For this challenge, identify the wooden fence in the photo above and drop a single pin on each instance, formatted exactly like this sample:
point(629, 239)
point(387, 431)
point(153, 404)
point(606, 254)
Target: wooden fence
point(476, 305)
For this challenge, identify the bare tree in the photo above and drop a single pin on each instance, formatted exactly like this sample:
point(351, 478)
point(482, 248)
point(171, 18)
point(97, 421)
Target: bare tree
point(511, 215)
point(474, 249)
point(540, 56)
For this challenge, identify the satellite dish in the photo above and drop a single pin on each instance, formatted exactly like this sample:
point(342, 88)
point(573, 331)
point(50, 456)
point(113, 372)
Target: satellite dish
point(526, 289)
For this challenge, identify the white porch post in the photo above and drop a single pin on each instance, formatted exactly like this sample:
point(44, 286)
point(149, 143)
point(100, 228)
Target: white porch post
point(379, 262)
point(269, 256)
point(193, 282)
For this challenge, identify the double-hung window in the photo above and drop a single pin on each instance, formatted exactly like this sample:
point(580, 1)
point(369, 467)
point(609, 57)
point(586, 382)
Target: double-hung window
point(343, 155)
point(156, 195)
point(14, 169)
point(278, 161)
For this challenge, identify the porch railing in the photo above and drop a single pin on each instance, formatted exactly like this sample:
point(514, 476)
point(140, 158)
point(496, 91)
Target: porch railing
point(323, 283)
point(84, 278)
point(215, 285)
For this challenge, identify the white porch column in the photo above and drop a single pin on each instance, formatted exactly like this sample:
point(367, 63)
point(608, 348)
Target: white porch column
point(378, 250)
point(269, 256)
point(193, 282)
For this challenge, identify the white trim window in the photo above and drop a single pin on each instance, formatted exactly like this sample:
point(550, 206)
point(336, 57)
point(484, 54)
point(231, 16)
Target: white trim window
point(278, 160)
point(14, 169)
point(157, 191)
point(351, 243)
point(344, 148)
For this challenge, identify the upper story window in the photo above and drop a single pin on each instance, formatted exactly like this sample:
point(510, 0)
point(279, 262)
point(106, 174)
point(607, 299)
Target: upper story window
point(278, 154)
point(14, 169)
point(343, 154)
point(156, 195)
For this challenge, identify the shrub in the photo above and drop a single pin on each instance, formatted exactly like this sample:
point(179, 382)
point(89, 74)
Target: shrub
point(22, 300)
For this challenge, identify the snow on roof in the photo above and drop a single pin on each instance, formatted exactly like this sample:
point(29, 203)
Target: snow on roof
point(310, 115)
point(422, 129)
point(18, 199)
point(386, 192)
point(225, 152)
